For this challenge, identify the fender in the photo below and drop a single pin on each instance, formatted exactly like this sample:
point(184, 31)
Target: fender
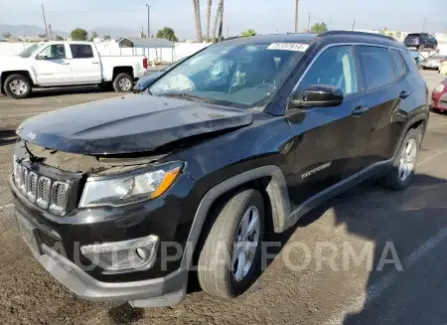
point(276, 190)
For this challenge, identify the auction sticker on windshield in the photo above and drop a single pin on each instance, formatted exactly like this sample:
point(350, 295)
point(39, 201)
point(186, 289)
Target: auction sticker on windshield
point(289, 47)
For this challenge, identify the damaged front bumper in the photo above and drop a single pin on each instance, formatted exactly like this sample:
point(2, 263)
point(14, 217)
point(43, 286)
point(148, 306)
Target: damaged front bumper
point(57, 242)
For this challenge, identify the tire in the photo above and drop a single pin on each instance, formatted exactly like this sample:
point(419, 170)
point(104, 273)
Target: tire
point(217, 274)
point(17, 86)
point(120, 83)
point(394, 180)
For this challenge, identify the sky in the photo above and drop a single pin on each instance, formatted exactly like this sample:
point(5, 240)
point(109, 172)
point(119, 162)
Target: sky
point(265, 16)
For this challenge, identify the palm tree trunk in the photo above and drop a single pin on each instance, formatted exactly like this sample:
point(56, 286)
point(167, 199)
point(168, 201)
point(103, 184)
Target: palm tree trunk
point(217, 18)
point(196, 4)
point(208, 20)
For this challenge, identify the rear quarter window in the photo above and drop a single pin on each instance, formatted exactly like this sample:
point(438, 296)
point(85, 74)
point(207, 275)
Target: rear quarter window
point(399, 65)
point(376, 65)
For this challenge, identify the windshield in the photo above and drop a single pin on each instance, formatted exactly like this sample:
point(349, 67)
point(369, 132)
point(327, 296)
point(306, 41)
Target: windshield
point(238, 75)
point(29, 50)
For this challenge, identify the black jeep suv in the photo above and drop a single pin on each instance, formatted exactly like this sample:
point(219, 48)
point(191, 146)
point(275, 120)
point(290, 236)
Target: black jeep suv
point(119, 199)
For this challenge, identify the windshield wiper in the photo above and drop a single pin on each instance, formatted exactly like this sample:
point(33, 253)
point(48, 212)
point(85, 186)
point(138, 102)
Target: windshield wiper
point(187, 96)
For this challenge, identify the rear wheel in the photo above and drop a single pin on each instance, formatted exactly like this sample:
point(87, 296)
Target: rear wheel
point(230, 258)
point(17, 86)
point(402, 173)
point(123, 83)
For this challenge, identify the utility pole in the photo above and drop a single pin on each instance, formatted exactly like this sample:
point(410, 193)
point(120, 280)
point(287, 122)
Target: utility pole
point(424, 25)
point(308, 24)
point(44, 21)
point(148, 21)
point(50, 32)
point(297, 3)
point(353, 25)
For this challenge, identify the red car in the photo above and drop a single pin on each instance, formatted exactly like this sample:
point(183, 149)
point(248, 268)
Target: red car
point(439, 97)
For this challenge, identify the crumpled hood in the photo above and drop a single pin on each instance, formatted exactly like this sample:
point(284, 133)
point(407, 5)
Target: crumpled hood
point(130, 124)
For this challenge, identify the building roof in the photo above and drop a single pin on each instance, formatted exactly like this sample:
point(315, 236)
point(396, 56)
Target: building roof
point(146, 42)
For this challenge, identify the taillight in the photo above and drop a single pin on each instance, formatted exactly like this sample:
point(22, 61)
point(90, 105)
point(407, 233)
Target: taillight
point(145, 63)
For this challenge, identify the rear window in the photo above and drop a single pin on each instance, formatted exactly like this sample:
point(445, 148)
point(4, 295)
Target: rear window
point(399, 65)
point(376, 65)
point(413, 35)
point(81, 51)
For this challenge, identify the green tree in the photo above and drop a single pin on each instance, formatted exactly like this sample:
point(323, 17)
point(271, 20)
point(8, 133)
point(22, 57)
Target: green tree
point(59, 38)
point(7, 35)
point(318, 28)
point(107, 37)
point(94, 35)
point(79, 34)
point(167, 33)
point(248, 33)
point(384, 31)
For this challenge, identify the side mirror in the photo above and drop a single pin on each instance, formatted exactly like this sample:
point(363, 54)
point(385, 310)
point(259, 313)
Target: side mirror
point(146, 82)
point(319, 96)
point(41, 57)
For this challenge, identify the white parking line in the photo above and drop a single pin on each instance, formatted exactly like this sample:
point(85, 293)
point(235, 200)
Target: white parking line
point(431, 157)
point(377, 289)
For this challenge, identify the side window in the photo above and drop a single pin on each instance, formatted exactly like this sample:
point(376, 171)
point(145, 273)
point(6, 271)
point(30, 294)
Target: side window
point(334, 67)
point(399, 65)
point(52, 52)
point(81, 51)
point(376, 65)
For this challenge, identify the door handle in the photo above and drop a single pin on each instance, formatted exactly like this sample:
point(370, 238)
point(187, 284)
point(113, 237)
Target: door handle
point(404, 94)
point(66, 63)
point(360, 110)
point(95, 62)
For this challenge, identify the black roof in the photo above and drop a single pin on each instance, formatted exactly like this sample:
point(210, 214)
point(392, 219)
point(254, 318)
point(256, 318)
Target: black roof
point(331, 36)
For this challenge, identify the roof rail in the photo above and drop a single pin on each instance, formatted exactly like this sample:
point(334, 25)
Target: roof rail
point(347, 32)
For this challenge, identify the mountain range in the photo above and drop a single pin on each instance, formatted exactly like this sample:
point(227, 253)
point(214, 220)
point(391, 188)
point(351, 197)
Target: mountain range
point(34, 30)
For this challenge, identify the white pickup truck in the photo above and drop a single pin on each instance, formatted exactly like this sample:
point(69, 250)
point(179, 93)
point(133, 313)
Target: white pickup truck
point(56, 64)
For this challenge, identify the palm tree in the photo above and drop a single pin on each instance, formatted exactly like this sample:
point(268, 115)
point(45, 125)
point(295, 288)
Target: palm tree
point(218, 19)
point(196, 4)
point(208, 20)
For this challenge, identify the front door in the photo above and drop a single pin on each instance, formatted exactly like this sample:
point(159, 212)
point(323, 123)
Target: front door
point(327, 137)
point(85, 65)
point(52, 67)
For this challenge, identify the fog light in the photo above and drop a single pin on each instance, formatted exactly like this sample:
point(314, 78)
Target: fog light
point(131, 255)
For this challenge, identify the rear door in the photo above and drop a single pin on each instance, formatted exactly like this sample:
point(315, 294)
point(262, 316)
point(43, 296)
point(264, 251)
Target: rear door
point(327, 137)
point(383, 74)
point(52, 67)
point(85, 64)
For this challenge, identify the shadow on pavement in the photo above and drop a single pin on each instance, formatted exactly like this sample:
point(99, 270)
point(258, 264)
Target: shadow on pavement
point(125, 314)
point(395, 301)
point(43, 92)
point(7, 137)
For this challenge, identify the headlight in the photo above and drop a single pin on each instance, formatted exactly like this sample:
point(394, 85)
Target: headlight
point(439, 88)
point(131, 188)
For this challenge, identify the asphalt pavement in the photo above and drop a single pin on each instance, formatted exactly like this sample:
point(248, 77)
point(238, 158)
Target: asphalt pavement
point(369, 256)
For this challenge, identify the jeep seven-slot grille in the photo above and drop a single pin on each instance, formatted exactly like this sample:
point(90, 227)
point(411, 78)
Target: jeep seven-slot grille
point(43, 191)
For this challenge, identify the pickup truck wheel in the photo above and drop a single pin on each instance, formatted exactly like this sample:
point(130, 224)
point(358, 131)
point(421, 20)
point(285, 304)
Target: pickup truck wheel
point(402, 173)
point(229, 261)
point(123, 83)
point(17, 86)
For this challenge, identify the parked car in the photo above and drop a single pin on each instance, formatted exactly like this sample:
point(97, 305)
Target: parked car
point(433, 62)
point(120, 199)
point(56, 64)
point(421, 41)
point(443, 68)
point(418, 59)
point(439, 97)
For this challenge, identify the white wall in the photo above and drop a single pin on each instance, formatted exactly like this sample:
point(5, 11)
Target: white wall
point(111, 48)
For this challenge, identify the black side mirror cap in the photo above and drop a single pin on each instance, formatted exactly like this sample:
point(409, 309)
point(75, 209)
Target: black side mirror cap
point(318, 96)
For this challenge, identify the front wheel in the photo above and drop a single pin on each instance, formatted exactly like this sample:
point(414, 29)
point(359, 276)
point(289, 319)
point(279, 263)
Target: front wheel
point(123, 83)
point(17, 86)
point(402, 173)
point(230, 258)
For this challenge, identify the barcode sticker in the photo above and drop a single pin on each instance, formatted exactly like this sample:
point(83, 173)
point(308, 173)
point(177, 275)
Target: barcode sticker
point(289, 47)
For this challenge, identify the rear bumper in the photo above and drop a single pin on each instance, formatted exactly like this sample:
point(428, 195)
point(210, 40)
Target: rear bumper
point(439, 101)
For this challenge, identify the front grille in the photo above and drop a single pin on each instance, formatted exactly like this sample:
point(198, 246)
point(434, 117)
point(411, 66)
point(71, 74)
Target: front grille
point(43, 191)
